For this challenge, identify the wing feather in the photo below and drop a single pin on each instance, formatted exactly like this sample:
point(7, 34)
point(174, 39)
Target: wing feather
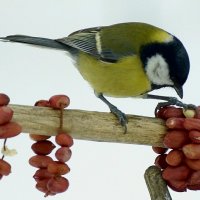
point(82, 40)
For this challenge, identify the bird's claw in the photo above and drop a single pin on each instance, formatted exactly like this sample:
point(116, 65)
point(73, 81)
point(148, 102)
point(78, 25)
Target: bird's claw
point(190, 106)
point(121, 117)
point(118, 113)
point(174, 101)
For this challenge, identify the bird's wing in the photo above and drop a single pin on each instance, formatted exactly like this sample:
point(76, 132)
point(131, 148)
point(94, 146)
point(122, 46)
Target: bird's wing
point(90, 41)
point(83, 40)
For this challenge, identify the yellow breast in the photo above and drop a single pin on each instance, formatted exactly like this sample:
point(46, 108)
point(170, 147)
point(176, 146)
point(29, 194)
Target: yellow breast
point(125, 78)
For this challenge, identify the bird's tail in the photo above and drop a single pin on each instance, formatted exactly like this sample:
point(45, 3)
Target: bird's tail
point(45, 42)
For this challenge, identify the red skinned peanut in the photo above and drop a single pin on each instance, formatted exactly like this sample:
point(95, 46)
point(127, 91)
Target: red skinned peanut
point(192, 123)
point(176, 173)
point(175, 123)
point(63, 154)
point(36, 137)
point(41, 185)
point(193, 164)
point(175, 157)
point(57, 184)
point(159, 150)
point(5, 168)
point(169, 111)
point(175, 139)
point(4, 99)
point(42, 103)
point(10, 129)
point(58, 168)
point(41, 174)
point(178, 186)
point(64, 139)
point(194, 136)
point(59, 101)
point(44, 147)
point(6, 114)
point(193, 187)
point(194, 181)
point(160, 161)
point(192, 151)
point(40, 161)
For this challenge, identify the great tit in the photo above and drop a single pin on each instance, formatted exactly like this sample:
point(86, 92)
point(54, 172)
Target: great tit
point(123, 60)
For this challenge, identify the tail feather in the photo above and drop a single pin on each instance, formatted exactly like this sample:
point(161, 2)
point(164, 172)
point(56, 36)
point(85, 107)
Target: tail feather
point(45, 42)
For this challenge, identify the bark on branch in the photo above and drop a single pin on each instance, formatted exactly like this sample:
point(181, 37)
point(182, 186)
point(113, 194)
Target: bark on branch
point(87, 125)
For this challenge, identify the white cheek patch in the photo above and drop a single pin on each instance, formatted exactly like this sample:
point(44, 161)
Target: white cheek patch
point(157, 70)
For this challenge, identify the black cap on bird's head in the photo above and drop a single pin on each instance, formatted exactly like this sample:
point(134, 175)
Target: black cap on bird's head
point(166, 64)
point(179, 65)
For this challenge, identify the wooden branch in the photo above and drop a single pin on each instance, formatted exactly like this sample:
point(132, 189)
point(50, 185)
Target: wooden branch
point(156, 185)
point(87, 125)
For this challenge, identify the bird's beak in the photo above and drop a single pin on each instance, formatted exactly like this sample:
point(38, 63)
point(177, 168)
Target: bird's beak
point(179, 90)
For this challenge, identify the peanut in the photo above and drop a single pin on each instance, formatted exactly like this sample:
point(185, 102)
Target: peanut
point(175, 139)
point(192, 151)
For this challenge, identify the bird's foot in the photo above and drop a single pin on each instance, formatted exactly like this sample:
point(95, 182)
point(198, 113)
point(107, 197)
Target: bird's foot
point(113, 109)
point(174, 101)
point(121, 117)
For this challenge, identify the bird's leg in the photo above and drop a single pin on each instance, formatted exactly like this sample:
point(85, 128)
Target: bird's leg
point(169, 101)
point(113, 109)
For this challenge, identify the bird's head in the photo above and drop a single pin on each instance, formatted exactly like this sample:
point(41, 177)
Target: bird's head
point(166, 64)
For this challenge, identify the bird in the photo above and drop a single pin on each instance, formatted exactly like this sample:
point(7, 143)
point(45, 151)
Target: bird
point(123, 60)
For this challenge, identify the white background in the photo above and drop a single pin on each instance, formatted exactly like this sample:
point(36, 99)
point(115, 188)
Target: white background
point(98, 170)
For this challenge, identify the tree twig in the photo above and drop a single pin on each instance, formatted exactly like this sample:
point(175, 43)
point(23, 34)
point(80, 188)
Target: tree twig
point(87, 125)
point(157, 187)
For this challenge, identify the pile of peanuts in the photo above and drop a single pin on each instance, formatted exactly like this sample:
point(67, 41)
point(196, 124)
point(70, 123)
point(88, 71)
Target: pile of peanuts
point(181, 164)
